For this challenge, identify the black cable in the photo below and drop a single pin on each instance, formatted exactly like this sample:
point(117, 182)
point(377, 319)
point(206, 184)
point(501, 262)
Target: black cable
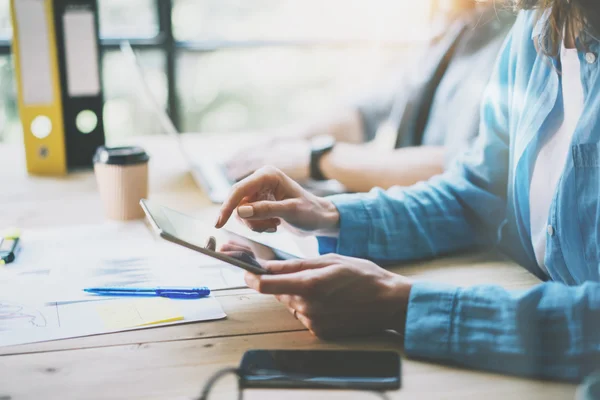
point(218, 375)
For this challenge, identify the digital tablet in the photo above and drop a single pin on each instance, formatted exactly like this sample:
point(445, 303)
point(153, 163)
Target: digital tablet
point(221, 244)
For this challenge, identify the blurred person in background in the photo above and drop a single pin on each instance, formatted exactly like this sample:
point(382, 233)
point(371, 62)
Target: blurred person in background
point(407, 131)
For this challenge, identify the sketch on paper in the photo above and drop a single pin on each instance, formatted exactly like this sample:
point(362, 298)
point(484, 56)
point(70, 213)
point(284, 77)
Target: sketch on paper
point(18, 316)
point(121, 272)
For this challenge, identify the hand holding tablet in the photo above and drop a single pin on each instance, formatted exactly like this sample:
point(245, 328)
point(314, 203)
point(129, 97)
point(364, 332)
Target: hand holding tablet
point(221, 244)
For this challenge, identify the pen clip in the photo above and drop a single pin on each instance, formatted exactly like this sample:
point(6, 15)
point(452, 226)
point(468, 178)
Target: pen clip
point(179, 295)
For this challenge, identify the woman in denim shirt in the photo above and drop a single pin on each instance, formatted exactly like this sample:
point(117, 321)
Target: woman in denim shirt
point(530, 186)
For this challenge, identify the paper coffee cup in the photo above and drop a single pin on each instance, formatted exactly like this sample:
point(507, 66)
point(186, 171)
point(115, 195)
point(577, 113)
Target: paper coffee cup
point(122, 177)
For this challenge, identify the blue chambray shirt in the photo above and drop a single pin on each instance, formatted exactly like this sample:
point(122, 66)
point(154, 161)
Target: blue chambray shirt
point(552, 330)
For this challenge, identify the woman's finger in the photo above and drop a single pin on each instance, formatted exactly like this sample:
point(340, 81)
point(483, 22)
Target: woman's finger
point(283, 299)
point(248, 187)
point(297, 265)
point(262, 210)
point(269, 225)
point(298, 283)
point(231, 247)
point(306, 322)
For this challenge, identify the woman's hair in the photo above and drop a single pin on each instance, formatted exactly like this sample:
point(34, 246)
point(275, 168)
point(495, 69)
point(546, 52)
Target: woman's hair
point(581, 17)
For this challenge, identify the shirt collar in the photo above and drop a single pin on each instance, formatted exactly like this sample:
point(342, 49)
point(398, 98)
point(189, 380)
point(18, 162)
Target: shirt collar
point(540, 24)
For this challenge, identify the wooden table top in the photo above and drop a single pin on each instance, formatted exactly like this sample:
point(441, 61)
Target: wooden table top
point(174, 362)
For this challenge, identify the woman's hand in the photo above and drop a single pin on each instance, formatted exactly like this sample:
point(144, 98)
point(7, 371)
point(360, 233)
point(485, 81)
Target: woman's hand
point(337, 296)
point(269, 197)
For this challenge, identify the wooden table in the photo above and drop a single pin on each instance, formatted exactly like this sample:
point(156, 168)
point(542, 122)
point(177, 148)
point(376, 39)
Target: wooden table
point(174, 362)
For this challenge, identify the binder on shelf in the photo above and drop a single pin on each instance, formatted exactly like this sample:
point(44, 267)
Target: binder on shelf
point(38, 86)
point(77, 36)
point(57, 63)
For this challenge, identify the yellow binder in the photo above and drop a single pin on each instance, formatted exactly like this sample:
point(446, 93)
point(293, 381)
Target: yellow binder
point(38, 86)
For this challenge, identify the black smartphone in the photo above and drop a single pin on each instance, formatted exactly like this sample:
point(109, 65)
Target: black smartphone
point(221, 244)
point(321, 369)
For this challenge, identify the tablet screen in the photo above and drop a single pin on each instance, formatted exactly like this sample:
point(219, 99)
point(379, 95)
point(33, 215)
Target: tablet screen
point(201, 235)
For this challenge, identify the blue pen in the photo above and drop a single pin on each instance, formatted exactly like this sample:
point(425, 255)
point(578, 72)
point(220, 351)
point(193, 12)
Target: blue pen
point(169, 292)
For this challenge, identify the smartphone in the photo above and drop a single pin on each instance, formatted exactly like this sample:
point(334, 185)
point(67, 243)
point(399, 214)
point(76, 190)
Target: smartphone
point(221, 244)
point(321, 369)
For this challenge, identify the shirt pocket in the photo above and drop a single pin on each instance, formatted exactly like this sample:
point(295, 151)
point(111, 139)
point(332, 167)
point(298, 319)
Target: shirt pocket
point(586, 159)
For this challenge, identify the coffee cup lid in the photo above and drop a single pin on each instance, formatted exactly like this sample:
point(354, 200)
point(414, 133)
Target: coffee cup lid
point(120, 155)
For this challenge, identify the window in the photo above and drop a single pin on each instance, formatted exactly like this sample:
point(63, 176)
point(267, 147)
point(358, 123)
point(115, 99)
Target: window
point(229, 65)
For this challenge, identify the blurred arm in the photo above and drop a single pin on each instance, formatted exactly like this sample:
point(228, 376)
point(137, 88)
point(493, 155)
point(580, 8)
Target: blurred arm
point(363, 167)
point(344, 125)
point(359, 120)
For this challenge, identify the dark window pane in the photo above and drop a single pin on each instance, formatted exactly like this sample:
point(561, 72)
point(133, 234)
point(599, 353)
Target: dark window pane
point(300, 20)
point(5, 23)
point(264, 88)
point(126, 111)
point(130, 18)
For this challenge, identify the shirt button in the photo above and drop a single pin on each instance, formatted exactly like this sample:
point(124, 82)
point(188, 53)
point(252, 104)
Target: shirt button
point(590, 57)
point(550, 230)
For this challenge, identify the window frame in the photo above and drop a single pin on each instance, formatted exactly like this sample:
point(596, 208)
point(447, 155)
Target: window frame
point(166, 42)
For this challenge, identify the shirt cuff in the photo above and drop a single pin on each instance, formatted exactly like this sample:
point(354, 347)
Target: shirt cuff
point(429, 321)
point(353, 238)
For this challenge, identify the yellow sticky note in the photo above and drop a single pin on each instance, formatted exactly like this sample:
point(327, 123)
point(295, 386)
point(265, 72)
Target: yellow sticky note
point(118, 314)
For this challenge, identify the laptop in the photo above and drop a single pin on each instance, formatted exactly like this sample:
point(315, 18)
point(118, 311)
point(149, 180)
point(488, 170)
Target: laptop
point(209, 174)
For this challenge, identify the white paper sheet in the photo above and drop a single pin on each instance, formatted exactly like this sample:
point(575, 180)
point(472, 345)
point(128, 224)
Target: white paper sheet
point(54, 265)
point(42, 297)
point(26, 323)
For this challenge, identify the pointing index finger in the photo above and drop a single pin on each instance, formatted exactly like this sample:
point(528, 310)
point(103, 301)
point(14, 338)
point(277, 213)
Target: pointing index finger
point(239, 191)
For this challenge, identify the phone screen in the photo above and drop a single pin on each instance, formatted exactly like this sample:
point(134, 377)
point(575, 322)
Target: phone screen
point(221, 243)
point(336, 369)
